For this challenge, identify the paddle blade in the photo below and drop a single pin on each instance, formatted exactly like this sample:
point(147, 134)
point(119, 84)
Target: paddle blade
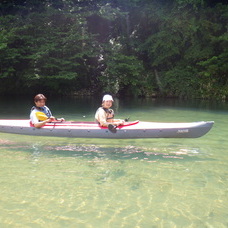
point(41, 116)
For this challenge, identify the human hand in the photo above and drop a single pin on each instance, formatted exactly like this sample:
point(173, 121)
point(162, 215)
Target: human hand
point(119, 122)
point(52, 118)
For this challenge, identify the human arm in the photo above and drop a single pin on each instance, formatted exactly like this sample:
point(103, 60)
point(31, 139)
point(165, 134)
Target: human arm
point(101, 117)
point(117, 122)
point(39, 119)
point(60, 119)
point(42, 123)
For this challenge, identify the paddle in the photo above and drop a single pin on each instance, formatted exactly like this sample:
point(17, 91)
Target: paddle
point(42, 117)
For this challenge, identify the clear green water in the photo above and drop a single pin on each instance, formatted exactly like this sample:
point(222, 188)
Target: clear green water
point(65, 182)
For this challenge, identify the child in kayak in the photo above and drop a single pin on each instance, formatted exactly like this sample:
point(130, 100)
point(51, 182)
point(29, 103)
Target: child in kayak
point(105, 115)
point(40, 114)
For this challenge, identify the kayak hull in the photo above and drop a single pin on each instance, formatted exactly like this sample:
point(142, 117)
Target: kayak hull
point(131, 130)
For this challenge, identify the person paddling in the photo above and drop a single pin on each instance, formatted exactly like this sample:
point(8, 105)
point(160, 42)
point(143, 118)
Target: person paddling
point(105, 115)
point(40, 114)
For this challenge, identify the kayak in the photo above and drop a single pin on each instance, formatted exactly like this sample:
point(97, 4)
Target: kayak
point(130, 130)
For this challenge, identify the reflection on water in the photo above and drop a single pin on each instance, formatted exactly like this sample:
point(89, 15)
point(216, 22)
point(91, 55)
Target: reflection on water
point(65, 182)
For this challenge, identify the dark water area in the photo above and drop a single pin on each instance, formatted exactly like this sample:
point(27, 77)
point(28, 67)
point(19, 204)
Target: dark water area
point(81, 106)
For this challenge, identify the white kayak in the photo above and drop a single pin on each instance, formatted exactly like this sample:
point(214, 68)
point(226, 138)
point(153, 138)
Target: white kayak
point(131, 130)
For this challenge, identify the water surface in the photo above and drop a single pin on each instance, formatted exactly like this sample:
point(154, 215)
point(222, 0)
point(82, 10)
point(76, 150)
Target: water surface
point(66, 182)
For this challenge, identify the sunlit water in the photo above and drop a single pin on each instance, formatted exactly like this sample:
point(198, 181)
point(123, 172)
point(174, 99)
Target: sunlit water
point(65, 182)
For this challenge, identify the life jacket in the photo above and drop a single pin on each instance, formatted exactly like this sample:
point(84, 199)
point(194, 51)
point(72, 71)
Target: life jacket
point(44, 109)
point(109, 111)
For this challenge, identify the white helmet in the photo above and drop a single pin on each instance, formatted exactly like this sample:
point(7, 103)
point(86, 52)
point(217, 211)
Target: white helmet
point(107, 97)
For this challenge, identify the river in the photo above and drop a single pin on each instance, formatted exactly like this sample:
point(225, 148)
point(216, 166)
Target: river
point(142, 183)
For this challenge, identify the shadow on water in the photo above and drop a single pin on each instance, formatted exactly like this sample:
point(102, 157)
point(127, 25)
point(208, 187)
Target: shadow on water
point(91, 152)
point(125, 153)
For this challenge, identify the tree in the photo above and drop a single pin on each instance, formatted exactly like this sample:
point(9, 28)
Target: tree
point(141, 47)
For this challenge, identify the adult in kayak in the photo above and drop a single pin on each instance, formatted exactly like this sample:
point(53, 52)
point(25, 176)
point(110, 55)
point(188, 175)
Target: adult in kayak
point(105, 115)
point(40, 114)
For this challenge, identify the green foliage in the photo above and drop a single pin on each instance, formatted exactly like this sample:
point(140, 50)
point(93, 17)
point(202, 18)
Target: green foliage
point(140, 47)
point(194, 3)
point(122, 72)
point(47, 50)
point(185, 40)
point(181, 82)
